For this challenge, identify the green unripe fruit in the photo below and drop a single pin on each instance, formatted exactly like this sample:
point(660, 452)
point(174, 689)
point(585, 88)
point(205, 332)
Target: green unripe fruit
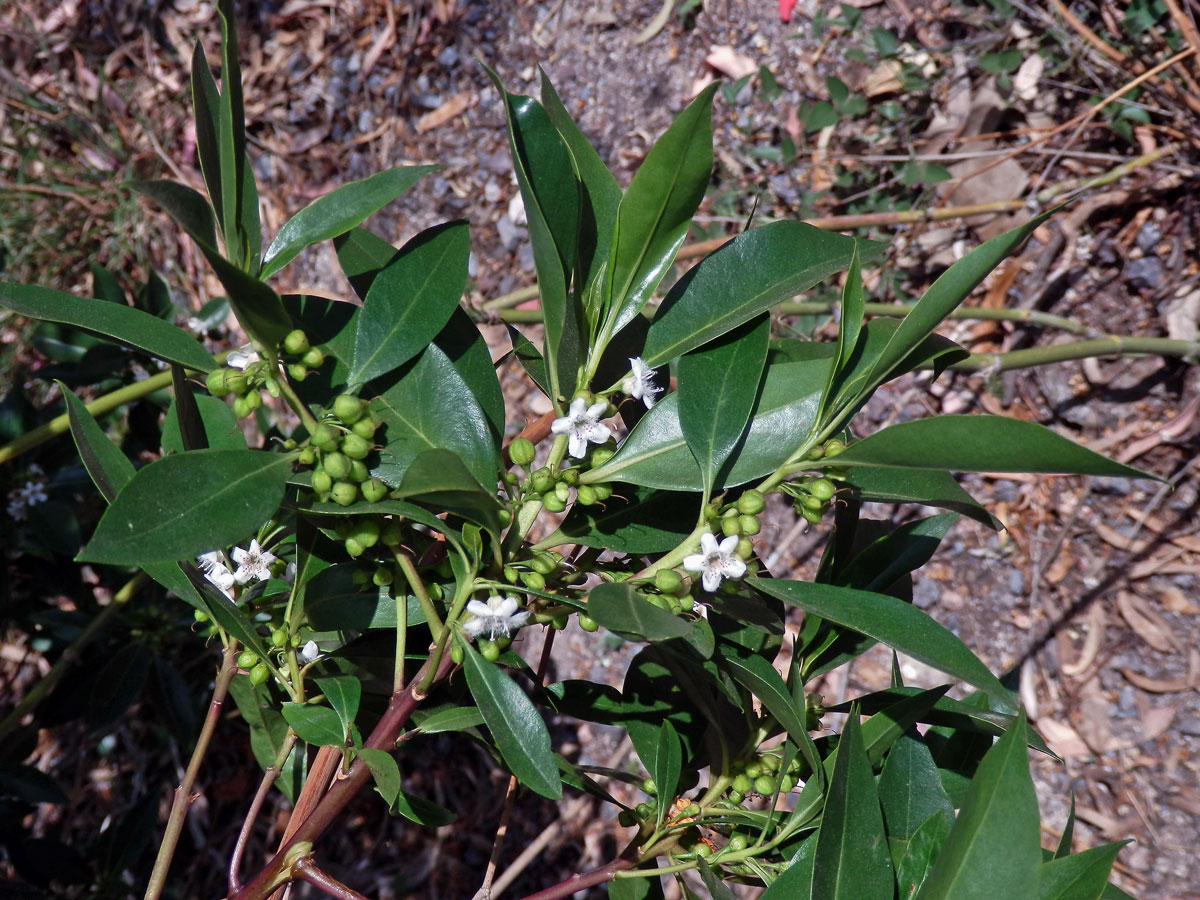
point(456, 655)
point(355, 447)
point(365, 530)
point(374, 490)
point(542, 480)
point(215, 382)
point(554, 503)
point(337, 465)
point(822, 489)
point(570, 476)
point(603, 491)
point(325, 437)
point(343, 493)
point(382, 576)
point(687, 603)
point(511, 575)
point(811, 515)
point(489, 650)
point(259, 674)
point(365, 428)
point(649, 786)
point(359, 471)
point(742, 784)
point(348, 408)
point(765, 785)
point(751, 502)
point(241, 408)
point(391, 534)
point(321, 482)
point(313, 358)
point(435, 591)
point(279, 638)
point(247, 659)
point(521, 451)
point(702, 849)
point(770, 762)
point(731, 525)
point(601, 455)
point(355, 550)
point(271, 383)
point(753, 769)
point(544, 564)
point(236, 382)
point(533, 580)
point(749, 524)
point(307, 456)
point(296, 343)
point(816, 452)
point(788, 782)
point(297, 371)
point(505, 517)
point(645, 810)
point(200, 615)
point(667, 580)
point(587, 623)
point(562, 491)
point(737, 841)
point(834, 447)
point(745, 550)
point(253, 400)
point(586, 495)
point(816, 504)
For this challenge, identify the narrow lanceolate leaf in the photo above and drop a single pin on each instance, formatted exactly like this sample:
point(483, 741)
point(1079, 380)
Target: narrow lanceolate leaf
point(108, 467)
point(119, 323)
point(979, 444)
point(231, 141)
point(440, 478)
point(666, 766)
point(656, 453)
point(337, 212)
point(900, 625)
point(910, 790)
point(747, 276)
point(623, 611)
point(849, 326)
point(186, 504)
point(852, 861)
point(431, 407)
point(993, 852)
point(926, 486)
point(1082, 876)
point(657, 209)
point(954, 285)
point(718, 388)
point(410, 300)
point(518, 729)
point(207, 102)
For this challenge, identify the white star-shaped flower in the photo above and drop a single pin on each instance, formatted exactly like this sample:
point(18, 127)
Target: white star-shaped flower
point(309, 652)
point(715, 561)
point(498, 616)
point(242, 357)
point(639, 384)
point(582, 424)
point(212, 564)
point(253, 564)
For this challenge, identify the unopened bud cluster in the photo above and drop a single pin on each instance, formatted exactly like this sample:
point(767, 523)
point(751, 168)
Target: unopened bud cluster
point(338, 450)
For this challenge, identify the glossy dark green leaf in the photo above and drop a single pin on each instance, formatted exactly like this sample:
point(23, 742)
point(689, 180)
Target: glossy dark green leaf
point(945, 294)
point(717, 889)
point(756, 270)
point(362, 255)
point(119, 323)
point(888, 725)
point(468, 352)
point(656, 454)
point(439, 477)
point(231, 143)
point(234, 620)
point(929, 487)
point(635, 889)
point(457, 718)
point(795, 882)
point(910, 790)
point(384, 772)
point(718, 388)
point(268, 730)
point(893, 622)
point(656, 211)
point(518, 729)
point(551, 191)
point(117, 684)
point(531, 360)
point(207, 103)
point(632, 520)
point(316, 725)
point(993, 851)
point(220, 426)
point(904, 549)
point(622, 610)
point(431, 407)
point(343, 693)
point(183, 505)
point(108, 467)
point(337, 212)
point(333, 602)
point(399, 508)
point(919, 853)
point(410, 300)
point(979, 444)
point(1080, 876)
point(852, 860)
point(850, 323)
point(665, 766)
point(423, 812)
point(1068, 833)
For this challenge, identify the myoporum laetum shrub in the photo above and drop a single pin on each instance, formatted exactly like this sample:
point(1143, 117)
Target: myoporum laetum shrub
point(382, 516)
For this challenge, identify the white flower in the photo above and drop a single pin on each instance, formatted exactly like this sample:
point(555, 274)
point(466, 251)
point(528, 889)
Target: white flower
point(715, 561)
point(309, 652)
point(242, 357)
point(582, 424)
point(639, 384)
point(212, 564)
point(253, 564)
point(498, 616)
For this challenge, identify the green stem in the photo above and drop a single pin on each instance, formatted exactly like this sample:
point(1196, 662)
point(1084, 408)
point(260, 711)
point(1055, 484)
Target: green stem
point(183, 793)
point(69, 657)
point(529, 510)
point(1109, 345)
point(418, 588)
point(688, 546)
point(513, 298)
point(294, 401)
point(402, 633)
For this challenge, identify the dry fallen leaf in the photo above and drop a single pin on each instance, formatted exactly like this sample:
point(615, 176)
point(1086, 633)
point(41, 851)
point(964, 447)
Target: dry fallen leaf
point(1062, 739)
point(452, 108)
point(1095, 723)
point(1146, 623)
point(1167, 685)
point(729, 62)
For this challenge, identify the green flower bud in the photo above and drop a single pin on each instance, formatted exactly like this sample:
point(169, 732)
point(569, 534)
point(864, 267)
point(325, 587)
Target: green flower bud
point(816, 504)
point(511, 575)
point(627, 818)
point(645, 810)
point(603, 491)
point(489, 650)
point(247, 659)
point(667, 580)
point(325, 437)
point(702, 850)
point(737, 841)
point(769, 762)
point(601, 455)
point(570, 476)
point(382, 576)
point(649, 786)
point(731, 525)
point(337, 465)
point(736, 797)
point(751, 502)
point(505, 517)
point(259, 674)
point(321, 482)
point(364, 529)
point(359, 471)
point(456, 655)
point(811, 515)
point(313, 358)
point(834, 447)
point(365, 428)
point(535, 581)
point(296, 343)
point(374, 490)
point(544, 564)
point(241, 408)
point(355, 447)
point(753, 769)
point(361, 577)
point(343, 493)
point(765, 785)
point(822, 489)
point(562, 491)
point(749, 524)
point(553, 503)
point(355, 550)
point(253, 400)
point(687, 603)
point(215, 382)
point(521, 451)
point(297, 371)
point(236, 382)
point(348, 408)
point(587, 623)
point(542, 480)
point(279, 637)
point(200, 615)
point(742, 783)
point(271, 383)
point(586, 495)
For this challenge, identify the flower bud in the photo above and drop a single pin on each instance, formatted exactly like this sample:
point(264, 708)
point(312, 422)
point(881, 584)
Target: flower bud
point(544, 564)
point(313, 358)
point(337, 465)
point(542, 480)
point(811, 515)
point(391, 534)
point(749, 524)
point(456, 655)
point(667, 580)
point(259, 674)
point(822, 489)
point(296, 343)
point(215, 382)
point(603, 491)
point(373, 490)
point(348, 408)
point(535, 581)
point(587, 623)
point(751, 502)
point(834, 447)
point(764, 785)
point(489, 650)
point(343, 493)
point(731, 525)
point(745, 550)
point(601, 455)
point(521, 451)
point(236, 382)
point(279, 637)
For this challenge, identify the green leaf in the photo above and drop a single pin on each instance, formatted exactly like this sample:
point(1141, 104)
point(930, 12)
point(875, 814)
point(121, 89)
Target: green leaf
point(718, 388)
point(423, 812)
point(656, 211)
point(518, 729)
point(333, 602)
point(717, 889)
point(531, 360)
point(1081, 876)
point(468, 352)
point(946, 293)
point(920, 852)
point(622, 610)
point(410, 300)
point(337, 212)
point(900, 625)
point(316, 725)
point(633, 520)
point(551, 190)
point(993, 851)
point(384, 771)
point(665, 766)
point(929, 487)
point(220, 426)
point(233, 619)
point(910, 790)
point(1068, 833)
point(183, 505)
point(980, 443)
point(656, 453)
point(343, 693)
point(119, 323)
point(852, 861)
point(108, 467)
point(231, 143)
point(439, 477)
point(904, 549)
point(207, 101)
point(745, 277)
point(457, 718)
point(267, 733)
point(430, 407)
point(795, 882)
point(850, 326)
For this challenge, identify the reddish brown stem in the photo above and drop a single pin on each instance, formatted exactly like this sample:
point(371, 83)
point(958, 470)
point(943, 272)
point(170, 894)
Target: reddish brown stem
point(576, 883)
point(307, 870)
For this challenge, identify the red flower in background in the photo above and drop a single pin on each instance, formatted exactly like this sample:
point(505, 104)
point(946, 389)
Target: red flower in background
point(785, 10)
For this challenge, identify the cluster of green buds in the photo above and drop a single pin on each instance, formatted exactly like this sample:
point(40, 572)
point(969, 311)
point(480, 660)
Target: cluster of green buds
point(812, 494)
point(760, 775)
point(244, 384)
point(362, 533)
point(300, 357)
point(555, 486)
point(338, 449)
point(672, 592)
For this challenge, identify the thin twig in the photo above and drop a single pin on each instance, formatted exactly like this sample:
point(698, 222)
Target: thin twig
point(264, 787)
point(306, 870)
